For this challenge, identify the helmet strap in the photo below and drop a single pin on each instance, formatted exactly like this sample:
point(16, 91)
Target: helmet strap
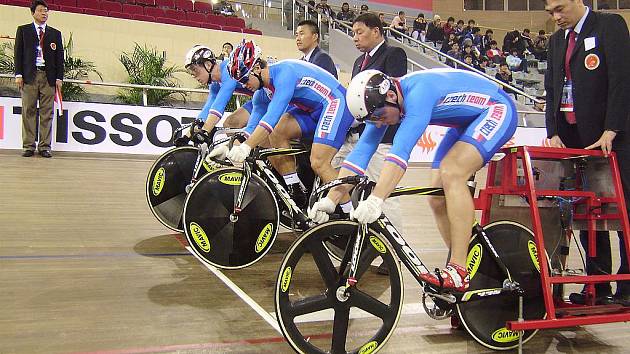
point(260, 80)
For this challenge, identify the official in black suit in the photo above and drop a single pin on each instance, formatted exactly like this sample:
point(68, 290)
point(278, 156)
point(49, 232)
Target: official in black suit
point(38, 72)
point(307, 41)
point(595, 113)
point(377, 55)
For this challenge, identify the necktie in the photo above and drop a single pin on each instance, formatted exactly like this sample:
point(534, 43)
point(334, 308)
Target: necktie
point(41, 41)
point(569, 116)
point(365, 61)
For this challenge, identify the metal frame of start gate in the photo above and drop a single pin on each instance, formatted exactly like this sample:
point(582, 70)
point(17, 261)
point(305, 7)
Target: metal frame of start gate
point(560, 313)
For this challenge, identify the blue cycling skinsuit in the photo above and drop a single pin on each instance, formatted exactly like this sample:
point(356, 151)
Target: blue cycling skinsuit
point(318, 102)
point(221, 93)
point(477, 111)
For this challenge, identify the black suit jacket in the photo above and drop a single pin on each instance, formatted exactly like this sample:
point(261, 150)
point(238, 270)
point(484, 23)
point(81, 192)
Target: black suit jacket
point(601, 95)
point(26, 41)
point(393, 62)
point(323, 60)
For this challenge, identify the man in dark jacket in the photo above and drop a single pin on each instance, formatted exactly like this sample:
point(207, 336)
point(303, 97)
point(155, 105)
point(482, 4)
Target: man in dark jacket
point(38, 73)
point(307, 41)
point(588, 93)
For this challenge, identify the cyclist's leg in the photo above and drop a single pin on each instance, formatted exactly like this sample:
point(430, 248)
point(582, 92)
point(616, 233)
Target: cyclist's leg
point(287, 128)
point(438, 203)
point(237, 119)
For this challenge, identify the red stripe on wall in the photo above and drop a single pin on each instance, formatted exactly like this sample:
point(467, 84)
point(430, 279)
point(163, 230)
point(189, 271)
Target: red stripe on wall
point(426, 5)
point(1, 122)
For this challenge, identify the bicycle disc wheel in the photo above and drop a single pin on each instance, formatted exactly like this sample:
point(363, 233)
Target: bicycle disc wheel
point(485, 318)
point(210, 232)
point(166, 185)
point(314, 314)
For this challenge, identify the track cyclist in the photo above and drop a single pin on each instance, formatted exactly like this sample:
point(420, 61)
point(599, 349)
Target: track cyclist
point(481, 117)
point(202, 65)
point(318, 110)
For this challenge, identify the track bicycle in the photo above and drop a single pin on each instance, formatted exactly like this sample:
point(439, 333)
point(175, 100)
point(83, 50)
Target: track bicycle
point(232, 214)
point(315, 292)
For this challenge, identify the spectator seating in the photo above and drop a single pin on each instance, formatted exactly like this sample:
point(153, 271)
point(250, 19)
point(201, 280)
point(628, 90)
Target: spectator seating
point(176, 12)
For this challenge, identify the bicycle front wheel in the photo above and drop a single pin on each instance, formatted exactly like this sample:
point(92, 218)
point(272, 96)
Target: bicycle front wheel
point(212, 231)
point(485, 318)
point(166, 185)
point(314, 312)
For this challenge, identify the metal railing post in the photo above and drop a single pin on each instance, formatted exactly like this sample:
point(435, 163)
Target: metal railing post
point(145, 98)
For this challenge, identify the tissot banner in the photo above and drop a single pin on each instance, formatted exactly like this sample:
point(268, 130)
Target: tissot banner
point(109, 128)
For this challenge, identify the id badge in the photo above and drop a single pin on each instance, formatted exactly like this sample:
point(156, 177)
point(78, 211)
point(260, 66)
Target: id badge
point(566, 104)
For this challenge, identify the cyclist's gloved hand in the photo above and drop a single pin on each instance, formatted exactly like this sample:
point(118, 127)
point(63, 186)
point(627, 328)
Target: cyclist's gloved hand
point(368, 210)
point(219, 152)
point(201, 137)
point(239, 153)
point(182, 141)
point(320, 210)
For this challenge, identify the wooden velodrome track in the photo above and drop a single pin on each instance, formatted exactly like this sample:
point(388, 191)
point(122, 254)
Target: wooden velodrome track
point(85, 267)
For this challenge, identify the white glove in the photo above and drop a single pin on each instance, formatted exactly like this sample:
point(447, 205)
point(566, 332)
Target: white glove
point(320, 210)
point(239, 153)
point(368, 210)
point(219, 152)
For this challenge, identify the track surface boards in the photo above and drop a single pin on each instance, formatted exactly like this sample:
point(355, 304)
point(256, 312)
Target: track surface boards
point(85, 267)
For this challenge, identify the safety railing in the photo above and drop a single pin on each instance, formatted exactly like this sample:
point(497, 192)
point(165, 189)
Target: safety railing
point(144, 88)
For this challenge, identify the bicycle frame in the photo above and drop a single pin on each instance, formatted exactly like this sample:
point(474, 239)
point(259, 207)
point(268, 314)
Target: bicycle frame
point(257, 163)
point(406, 254)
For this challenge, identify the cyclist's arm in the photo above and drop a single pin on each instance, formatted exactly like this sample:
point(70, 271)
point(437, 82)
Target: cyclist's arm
point(260, 103)
point(357, 161)
point(277, 106)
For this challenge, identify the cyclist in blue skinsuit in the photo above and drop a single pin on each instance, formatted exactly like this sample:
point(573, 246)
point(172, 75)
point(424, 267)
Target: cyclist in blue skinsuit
point(482, 118)
point(318, 111)
point(202, 65)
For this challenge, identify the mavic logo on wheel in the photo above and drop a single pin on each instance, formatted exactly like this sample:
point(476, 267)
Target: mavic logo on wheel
point(200, 237)
point(231, 178)
point(368, 347)
point(158, 181)
point(474, 259)
point(533, 253)
point(378, 245)
point(504, 335)
point(286, 279)
point(263, 238)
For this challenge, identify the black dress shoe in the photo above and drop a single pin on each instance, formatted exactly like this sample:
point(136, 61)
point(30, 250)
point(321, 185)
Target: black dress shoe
point(580, 299)
point(28, 153)
point(622, 299)
point(45, 153)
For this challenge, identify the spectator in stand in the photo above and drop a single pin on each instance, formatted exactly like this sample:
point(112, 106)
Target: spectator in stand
point(226, 49)
point(540, 46)
point(399, 23)
point(448, 43)
point(529, 42)
point(468, 59)
point(485, 40)
point(326, 11)
point(476, 38)
point(448, 27)
point(470, 50)
point(419, 28)
point(469, 28)
point(484, 63)
point(345, 14)
point(311, 9)
point(435, 31)
point(459, 31)
point(515, 62)
point(514, 40)
point(494, 54)
point(505, 75)
point(39, 66)
point(364, 9)
point(226, 9)
point(454, 53)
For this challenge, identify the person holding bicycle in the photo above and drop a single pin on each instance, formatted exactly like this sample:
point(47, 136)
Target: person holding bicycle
point(202, 65)
point(482, 118)
point(318, 111)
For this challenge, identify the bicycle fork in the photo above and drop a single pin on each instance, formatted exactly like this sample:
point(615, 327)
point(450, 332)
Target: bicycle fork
point(240, 197)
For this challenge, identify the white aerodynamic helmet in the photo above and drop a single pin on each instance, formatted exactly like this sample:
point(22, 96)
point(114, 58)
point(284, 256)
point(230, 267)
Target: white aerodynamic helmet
point(366, 93)
point(198, 55)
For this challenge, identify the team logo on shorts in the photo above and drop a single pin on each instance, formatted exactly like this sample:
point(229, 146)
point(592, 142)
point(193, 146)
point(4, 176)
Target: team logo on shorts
point(327, 121)
point(486, 129)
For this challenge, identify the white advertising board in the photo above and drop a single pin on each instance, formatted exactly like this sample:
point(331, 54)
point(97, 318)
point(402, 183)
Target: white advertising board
point(111, 128)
